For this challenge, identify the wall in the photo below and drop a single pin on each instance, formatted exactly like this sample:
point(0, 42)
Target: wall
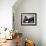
point(29, 32)
point(6, 13)
point(43, 22)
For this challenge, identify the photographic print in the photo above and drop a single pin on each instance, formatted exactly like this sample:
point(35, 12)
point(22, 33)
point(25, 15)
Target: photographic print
point(28, 18)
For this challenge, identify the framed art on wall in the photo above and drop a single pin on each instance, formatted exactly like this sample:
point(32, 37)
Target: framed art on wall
point(28, 19)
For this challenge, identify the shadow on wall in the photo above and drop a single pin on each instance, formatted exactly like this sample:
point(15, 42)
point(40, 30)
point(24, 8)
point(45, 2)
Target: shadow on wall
point(17, 4)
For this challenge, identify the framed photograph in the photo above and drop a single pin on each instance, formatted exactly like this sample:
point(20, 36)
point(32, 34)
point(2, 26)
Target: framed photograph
point(28, 19)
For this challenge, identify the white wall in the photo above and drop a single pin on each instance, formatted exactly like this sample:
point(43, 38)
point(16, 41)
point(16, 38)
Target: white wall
point(43, 22)
point(31, 32)
point(6, 13)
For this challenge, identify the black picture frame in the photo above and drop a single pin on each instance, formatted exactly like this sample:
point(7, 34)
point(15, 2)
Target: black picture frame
point(29, 19)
